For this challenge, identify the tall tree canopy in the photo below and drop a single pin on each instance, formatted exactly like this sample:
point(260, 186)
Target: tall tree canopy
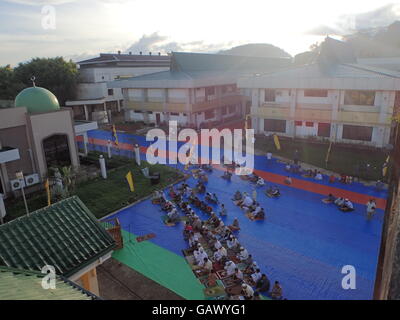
point(55, 74)
point(9, 86)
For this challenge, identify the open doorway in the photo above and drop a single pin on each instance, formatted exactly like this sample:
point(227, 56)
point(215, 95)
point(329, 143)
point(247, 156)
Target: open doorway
point(56, 150)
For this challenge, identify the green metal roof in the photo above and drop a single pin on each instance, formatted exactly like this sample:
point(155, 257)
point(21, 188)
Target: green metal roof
point(65, 235)
point(27, 285)
point(184, 61)
point(36, 100)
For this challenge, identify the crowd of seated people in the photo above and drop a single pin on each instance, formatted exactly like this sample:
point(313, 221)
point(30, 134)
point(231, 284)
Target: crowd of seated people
point(216, 254)
point(342, 204)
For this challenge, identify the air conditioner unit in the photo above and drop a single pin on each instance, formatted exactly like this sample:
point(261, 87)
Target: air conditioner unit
point(17, 184)
point(32, 179)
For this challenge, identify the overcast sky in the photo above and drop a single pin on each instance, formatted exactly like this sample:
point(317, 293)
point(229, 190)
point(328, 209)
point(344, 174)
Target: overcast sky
point(85, 28)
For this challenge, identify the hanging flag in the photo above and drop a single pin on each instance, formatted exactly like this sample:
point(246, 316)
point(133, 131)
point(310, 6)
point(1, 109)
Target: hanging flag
point(277, 143)
point(328, 153)
point(129, 178)
point(47, 186)
point(115, 134)
point(385, 166)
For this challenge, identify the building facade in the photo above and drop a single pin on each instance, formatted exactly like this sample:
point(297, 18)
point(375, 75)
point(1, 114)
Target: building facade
point(35, 135)
point(94, 101)
point(334, 99)
point(199, 90)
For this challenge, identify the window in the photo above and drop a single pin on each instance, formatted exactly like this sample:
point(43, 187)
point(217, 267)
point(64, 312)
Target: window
point(209, 114)
point(269, 95)
point(357, 133)
point(316, 93)
point(210, 91)
point(174, 113)
point(324, 130)
point(224, 110)
point(232, 109)
point(149, 112)
point(359, 98)
point(309, 124)
point(138, 111)
point(110, 92)
point(298, 123)
point(275, 125)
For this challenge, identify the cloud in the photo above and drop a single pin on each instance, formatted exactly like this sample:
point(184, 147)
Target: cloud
point(40, 2)
point(159, 43)
point(347, 24)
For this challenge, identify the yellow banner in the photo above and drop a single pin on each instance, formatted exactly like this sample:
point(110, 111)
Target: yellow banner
point(115, 134)
point(129, 178)
point(47, 186)
point(277, 143)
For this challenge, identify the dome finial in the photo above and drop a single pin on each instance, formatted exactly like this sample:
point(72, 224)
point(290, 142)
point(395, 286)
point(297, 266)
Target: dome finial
point(33, 78)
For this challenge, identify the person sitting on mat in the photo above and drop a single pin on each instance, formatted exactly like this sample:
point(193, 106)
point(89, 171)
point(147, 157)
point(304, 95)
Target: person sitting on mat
point(230, 267)
point(288, 180)
point(238, 276)
point(223, 212)
point(260, 215)
point(330, 199)
point(260, 182)
point(227, 175)
point(212, 280)
point(339, 201)
point(276, 292)
point(318, 176)
point(247, 292)
point(256, 276)
point(237, 196)
point(173, 216)
point(232, 243)
point(243, 254)
point(263, 284)
point(273, 191)
point(247, 202)
point(206, 266)
point(253, 177)
point(235, 225)
point(347, 206)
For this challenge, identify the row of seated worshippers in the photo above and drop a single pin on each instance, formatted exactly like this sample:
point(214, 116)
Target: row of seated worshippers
point(216, 257)
point(251, 207)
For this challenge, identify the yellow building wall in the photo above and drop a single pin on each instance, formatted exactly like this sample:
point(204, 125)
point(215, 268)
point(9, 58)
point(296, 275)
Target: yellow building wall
point(89, 281)
point(364, 118)
point(156, 106)
point(271, 113)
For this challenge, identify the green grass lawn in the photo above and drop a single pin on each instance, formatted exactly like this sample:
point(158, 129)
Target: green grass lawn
point(105, 196)
point(348, 160)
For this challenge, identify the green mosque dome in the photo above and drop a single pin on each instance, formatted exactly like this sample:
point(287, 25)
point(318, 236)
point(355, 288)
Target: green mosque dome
point(37, 100)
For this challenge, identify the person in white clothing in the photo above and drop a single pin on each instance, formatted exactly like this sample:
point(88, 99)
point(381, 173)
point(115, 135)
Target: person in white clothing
point(243, 254)
point(230, 268)
point(371, 206)
point(256, 276)
point(247, 291)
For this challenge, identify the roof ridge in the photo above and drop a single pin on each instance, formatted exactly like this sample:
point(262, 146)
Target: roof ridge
point(367, 68)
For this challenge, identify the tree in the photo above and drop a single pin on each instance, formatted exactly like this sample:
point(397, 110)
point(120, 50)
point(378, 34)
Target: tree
point(55, 74)
point(9, 86)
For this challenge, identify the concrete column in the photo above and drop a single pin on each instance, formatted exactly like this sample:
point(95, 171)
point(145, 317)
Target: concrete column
point(86, 112)
point(118, 106)
point(290, 125)
point(4, 178)
point(335, 98)
point(85, 143)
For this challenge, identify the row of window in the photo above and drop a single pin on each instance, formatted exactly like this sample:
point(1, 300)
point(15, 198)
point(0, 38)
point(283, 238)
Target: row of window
point(350, 132)
point(351, 97)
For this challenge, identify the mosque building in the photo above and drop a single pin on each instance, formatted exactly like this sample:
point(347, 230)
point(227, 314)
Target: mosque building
point(35, 135)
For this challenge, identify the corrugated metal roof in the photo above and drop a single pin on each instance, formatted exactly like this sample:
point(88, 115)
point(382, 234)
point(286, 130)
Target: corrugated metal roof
point(65, 235)
point(27, 285)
